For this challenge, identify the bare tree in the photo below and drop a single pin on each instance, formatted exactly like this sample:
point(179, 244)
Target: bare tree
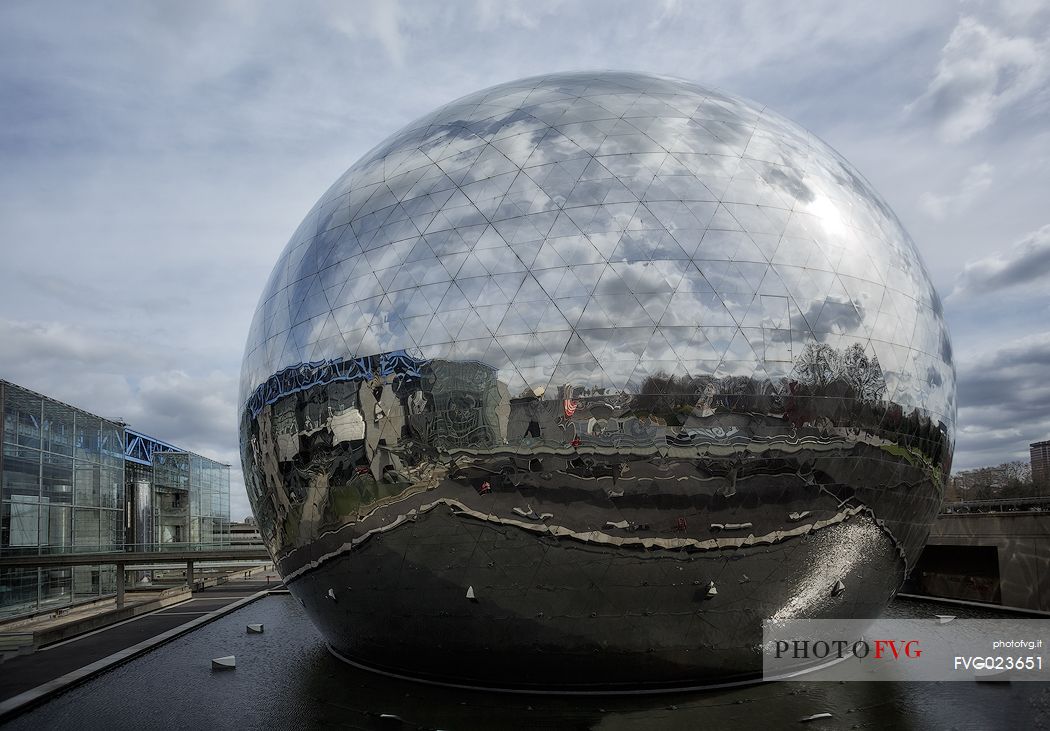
point(864, 374)
point(817, 366)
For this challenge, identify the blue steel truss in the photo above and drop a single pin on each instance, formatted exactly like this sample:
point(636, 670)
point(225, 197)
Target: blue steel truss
point(302, 376)
point(140, 447)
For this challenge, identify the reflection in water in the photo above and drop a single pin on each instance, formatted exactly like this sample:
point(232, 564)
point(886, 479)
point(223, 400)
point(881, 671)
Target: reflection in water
point(576, 381)
point(285, 678)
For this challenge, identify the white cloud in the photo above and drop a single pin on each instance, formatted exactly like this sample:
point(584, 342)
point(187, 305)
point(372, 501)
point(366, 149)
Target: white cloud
point(491, 14)
point(1026, 262)
point(938, 205)
point(982, 72)
point(1004, 401)
point(382, 21)
point(1022, 11)
point(34, 347)
point(669, 11)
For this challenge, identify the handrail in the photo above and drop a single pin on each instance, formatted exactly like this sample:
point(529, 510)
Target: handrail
point(131, 548)
point(990, 501)
point(1016, 504)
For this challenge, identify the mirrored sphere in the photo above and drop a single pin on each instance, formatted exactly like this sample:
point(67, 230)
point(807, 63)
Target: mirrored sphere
point(573, 382)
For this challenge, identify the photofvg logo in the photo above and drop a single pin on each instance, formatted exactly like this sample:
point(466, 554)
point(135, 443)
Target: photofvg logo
point(840, 649)
point(938, 648)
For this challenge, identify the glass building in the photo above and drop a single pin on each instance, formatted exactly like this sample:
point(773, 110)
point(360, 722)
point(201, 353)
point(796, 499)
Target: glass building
point(177, 498)
point(69, 482)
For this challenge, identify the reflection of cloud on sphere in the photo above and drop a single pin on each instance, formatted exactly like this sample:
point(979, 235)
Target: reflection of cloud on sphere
point(584, 343)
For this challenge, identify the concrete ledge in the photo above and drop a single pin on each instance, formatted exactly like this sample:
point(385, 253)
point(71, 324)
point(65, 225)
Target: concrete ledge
point(248, 571)
point(18, 623)
point(975, 605)
point(14, 644)
point(103, 619)
point(23, 701)
point(19, 620)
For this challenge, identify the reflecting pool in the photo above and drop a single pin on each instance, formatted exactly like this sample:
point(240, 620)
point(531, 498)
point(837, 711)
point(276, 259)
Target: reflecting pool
point(286, 678)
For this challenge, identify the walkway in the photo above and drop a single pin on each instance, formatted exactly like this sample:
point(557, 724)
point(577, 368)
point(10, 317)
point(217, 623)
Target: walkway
point(26, 672)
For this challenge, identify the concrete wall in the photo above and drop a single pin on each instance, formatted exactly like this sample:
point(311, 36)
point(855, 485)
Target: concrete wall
point(1022, 540)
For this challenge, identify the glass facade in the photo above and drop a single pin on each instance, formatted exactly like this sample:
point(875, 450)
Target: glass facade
point(191, 500)
point(67, 486)
point(629, 363)
point(62, 490)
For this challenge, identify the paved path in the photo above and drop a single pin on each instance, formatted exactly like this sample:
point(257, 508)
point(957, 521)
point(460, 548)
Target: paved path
point(26, 672)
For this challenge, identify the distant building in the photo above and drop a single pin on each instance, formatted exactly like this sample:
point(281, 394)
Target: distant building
point(174, 496)
point(246, 533)
point(1040, 454)
point(74, 481)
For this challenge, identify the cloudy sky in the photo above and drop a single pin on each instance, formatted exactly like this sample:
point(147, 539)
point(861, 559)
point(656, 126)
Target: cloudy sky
point(155, 157)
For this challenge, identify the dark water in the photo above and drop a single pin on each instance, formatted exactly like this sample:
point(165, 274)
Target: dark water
point(285, 678)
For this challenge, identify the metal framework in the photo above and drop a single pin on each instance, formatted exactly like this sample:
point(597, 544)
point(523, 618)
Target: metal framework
point(140, 448)
point(303, 376)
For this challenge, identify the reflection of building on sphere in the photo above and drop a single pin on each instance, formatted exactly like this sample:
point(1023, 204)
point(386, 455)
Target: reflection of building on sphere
point(630, 363)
